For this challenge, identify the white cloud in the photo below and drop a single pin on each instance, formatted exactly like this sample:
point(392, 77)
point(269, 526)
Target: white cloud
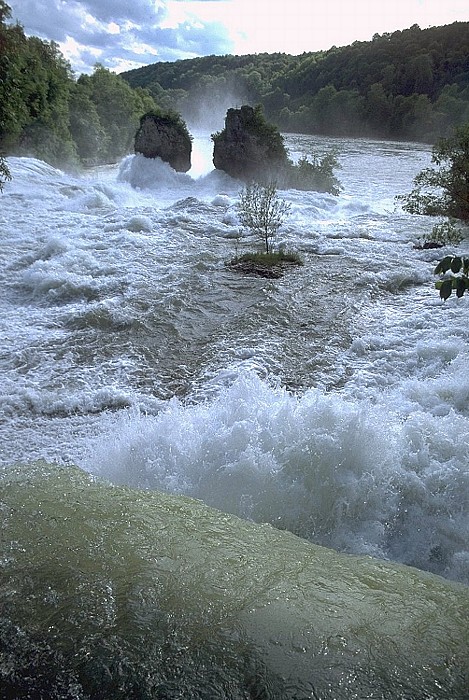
point(121, 33)
point(294, 26)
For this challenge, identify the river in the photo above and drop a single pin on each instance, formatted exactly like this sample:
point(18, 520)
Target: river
point(331, 404)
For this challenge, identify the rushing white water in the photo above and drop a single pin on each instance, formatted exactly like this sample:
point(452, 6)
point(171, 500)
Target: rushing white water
point(332, 402)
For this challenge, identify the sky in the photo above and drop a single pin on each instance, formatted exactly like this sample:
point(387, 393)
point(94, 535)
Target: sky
point(125, 34)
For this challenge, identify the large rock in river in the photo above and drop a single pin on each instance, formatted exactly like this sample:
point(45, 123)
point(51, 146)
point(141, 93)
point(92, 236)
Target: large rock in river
point(249, 148)
point(165, 137)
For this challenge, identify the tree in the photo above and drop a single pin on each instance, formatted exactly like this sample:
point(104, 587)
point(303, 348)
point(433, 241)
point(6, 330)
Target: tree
point(316, 174)
point(13, 108)
point(261, 211)
point(35, 83)
point(118, 108)
point(444, 190)
point(4, 170)
point(85, 126)
point(378, 88)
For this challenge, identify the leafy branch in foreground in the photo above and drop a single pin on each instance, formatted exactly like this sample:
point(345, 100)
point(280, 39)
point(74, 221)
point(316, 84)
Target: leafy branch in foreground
point(444, 191)
point(458, 280)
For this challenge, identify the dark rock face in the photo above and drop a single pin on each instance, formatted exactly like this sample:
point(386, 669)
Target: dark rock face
point(162, 137)
point(248, 147)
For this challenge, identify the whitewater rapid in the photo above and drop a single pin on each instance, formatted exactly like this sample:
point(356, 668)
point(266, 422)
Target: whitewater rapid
point(332, 403)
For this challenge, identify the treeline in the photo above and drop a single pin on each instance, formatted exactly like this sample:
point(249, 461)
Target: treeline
point(411, 84)
point(45, 112)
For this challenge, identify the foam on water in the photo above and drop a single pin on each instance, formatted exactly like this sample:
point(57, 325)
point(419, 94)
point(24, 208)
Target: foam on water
point(359, 477)
point(117, 298)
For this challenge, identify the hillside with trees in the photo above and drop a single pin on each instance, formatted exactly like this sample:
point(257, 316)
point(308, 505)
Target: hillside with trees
point(46, 112)
point(411, 84)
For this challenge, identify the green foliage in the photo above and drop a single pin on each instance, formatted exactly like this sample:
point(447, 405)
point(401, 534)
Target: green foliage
point(270, 259)
point(442, 234)
point(5, 11)
point(259, 126)
point(317, 174)
point(118, 108)
point(45, 113)
point(444, 190)
point(457, 281)
point(85, 126)
point(170, 117)
point(35, 82)
point(411, 84)
point(262, 212)
point(4, 169)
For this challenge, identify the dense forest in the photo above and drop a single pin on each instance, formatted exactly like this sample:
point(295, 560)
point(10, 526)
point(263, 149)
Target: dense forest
point(412, 84)
point(46, 112)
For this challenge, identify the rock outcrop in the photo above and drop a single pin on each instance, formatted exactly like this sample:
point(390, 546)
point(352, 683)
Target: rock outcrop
point(165, 137)
point(248, 148)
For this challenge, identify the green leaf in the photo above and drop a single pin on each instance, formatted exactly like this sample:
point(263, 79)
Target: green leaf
point(444, 265)
point(456, 264)
point(446, 289)
point(460, 286)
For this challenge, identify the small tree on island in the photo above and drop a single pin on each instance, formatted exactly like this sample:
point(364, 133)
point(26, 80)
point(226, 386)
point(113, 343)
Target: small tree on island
point(262, 212)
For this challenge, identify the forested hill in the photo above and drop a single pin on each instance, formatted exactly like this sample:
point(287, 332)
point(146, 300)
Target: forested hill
point(411, 84)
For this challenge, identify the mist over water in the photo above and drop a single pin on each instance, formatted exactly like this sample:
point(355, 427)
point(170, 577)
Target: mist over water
point(205, 112)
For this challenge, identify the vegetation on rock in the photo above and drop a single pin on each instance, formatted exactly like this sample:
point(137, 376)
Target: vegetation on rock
point(249, 148)
point(270, 265)
point(164, 135)
point(170, 118)
point(262, 212)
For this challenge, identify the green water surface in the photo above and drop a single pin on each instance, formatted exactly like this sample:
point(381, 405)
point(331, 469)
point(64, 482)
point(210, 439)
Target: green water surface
point(109, 592)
